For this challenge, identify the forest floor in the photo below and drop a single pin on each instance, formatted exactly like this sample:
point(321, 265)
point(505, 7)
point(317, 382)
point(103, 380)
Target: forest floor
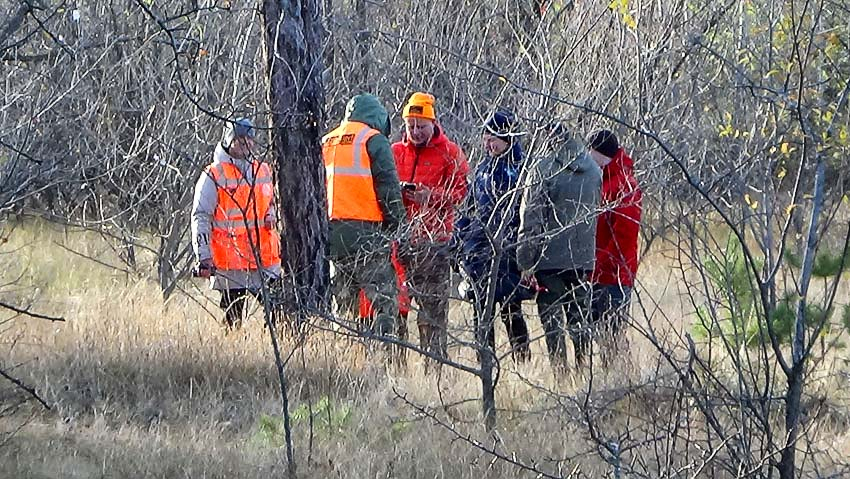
point(139, 387)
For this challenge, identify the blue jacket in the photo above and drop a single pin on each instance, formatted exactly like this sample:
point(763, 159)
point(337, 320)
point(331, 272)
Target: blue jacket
point(488, 204)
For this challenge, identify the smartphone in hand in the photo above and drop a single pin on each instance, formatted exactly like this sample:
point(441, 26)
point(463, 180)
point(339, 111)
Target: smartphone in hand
point(407, 186)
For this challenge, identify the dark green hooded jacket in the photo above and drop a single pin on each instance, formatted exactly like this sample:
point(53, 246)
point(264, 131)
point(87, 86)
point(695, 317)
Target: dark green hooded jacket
point(348, 237)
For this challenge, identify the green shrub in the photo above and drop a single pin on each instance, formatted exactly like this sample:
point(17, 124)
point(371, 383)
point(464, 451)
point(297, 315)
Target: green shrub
point(738, 317)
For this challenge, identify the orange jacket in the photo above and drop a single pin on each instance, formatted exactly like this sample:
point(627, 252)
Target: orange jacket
point(348, 173)
point(442, 167)
point(238, 222)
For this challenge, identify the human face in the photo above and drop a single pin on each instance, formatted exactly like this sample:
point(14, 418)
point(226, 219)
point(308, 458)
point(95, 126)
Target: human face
point(599, 158)
point(419, 130)
point(241, 148)
point(494, 146)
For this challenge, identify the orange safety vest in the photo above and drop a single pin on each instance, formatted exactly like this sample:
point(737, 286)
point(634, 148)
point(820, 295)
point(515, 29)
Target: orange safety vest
point(238, 222)
point(348, 173)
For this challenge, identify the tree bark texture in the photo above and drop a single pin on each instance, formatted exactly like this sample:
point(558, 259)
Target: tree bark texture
point(363, 44)
point(293, 45)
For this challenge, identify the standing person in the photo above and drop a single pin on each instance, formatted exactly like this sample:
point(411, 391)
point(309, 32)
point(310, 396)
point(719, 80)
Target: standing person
point(616, 234)
point(365, 210)
point(233, 222)
point(557, 240)
point(433, 172)
point(490, 204)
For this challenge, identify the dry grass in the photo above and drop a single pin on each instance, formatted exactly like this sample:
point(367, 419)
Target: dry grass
point(145, 388)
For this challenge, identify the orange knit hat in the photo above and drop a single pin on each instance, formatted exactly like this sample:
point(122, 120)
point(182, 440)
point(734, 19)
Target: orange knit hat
point(420, 105)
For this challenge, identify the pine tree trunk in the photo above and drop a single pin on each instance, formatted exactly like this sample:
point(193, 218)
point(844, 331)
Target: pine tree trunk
point(363, 41)
point(293, 42)
point(293, 45)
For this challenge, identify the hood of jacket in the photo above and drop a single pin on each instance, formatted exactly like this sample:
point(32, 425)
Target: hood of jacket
point(366, 108)
point(221, 156)
point(573, 156)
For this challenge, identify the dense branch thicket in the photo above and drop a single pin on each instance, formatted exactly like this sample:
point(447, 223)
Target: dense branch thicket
point(736, 112)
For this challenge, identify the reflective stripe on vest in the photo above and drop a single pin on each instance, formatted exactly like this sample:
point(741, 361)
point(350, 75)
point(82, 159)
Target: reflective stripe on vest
point(238, 221)
point(348, 173)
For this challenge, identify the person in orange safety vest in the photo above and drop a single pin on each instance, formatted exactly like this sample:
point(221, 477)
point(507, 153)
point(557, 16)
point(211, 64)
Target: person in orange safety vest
point(233, 222)
point(365, 212)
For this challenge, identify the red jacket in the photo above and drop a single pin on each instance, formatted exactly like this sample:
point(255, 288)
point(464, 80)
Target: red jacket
point(441, 166)
point(619, 224)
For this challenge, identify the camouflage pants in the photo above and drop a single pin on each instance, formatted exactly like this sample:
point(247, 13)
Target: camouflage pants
point(428, 277)
point(374, 274)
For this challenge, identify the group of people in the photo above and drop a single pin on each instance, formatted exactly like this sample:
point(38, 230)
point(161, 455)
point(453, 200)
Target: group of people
point(561, 228)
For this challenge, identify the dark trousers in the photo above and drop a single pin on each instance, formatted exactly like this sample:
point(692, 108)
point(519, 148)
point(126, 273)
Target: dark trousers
point(511, 315)
point(565, 292)
point(233, 303)
point(611, 308)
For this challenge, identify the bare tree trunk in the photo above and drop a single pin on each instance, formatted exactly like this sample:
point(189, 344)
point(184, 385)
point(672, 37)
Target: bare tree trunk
point(293, 43)
point(486, 354)
point(363, 44)
point(488, 389)
point(293, 46)
point(796, 377)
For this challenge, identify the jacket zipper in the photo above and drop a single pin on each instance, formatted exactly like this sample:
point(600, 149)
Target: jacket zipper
point(415, 163)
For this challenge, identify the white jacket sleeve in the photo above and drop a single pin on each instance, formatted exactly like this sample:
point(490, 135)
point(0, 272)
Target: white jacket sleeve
point(271, 216)
point(203, 207)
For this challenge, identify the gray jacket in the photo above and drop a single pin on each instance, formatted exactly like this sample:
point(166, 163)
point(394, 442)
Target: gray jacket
point(203, 208)
point(558, 211)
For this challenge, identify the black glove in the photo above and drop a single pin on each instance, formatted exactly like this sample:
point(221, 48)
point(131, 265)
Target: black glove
point(204, 269)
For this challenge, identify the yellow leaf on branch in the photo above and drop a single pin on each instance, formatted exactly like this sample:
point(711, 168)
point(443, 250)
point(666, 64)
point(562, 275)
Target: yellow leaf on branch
point(789, 209)
point(751, 202)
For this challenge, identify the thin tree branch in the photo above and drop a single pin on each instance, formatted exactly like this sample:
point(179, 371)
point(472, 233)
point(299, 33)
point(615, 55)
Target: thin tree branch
point(29, 313)
point(31, 391)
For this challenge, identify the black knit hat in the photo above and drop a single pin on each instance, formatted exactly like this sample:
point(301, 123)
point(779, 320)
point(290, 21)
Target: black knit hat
point(502, 124)
point(603, 141)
